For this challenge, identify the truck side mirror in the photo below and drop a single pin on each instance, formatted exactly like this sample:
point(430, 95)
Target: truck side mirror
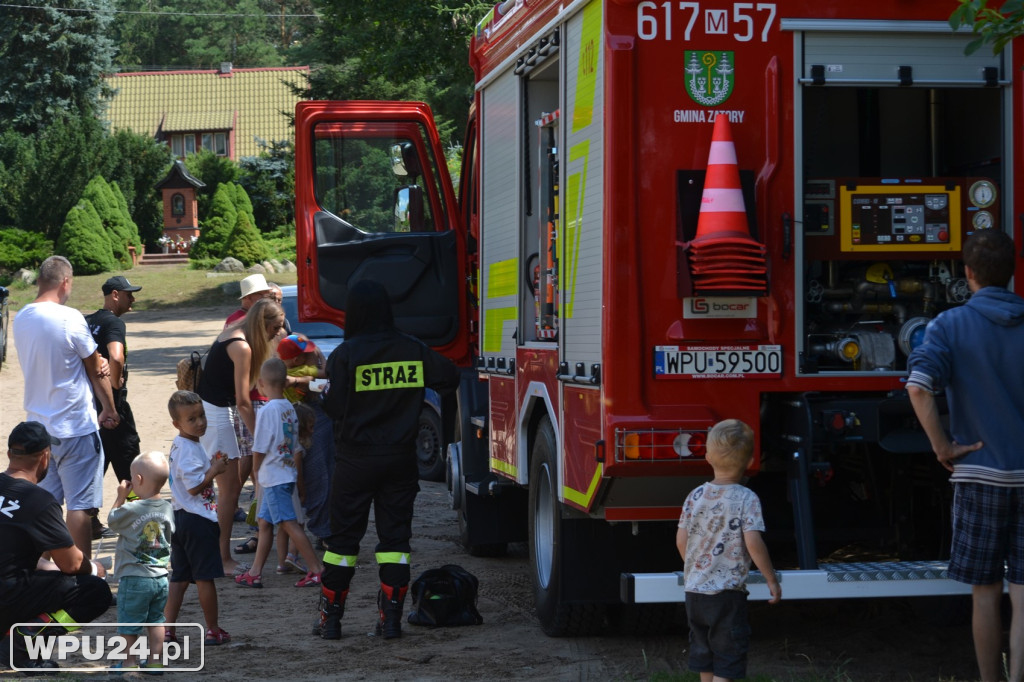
point(409, 215)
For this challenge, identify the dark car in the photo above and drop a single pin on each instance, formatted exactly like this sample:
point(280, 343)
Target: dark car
point(327, 337)
point(5, 323)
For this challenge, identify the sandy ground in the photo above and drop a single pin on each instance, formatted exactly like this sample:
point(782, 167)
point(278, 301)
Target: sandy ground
point(854, 640)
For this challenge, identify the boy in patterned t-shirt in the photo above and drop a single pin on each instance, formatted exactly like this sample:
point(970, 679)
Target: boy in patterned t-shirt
point(144, 527)
point(719, 533)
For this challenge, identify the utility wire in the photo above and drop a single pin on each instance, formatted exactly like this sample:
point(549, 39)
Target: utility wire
point(162, 14)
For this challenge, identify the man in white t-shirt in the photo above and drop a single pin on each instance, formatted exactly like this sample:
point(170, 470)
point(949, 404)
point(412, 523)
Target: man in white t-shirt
point(62, 371)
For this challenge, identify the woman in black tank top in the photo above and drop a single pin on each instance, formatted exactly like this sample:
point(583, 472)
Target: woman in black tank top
point(232, 366)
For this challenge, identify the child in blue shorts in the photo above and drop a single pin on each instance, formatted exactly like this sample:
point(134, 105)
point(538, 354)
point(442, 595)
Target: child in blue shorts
point(273, 450)
point(195, 545)
point(144, 527)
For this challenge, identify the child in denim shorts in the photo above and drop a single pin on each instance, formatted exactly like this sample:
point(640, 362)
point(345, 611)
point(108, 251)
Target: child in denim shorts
point(144, 527)
point(719, 533)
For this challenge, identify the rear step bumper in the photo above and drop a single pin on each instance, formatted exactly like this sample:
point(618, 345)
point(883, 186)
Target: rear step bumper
point(830, 581)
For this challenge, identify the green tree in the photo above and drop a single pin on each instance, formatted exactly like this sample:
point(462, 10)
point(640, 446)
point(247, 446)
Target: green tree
point(122, 204)
point(217, 228)
point(995, 27)
point(137, 163)
point(84, 242)
point(269, 180)
point(120, 230)
point(23, 249)
point(53, 56)
point(242, 202)
point(397, 49)
point(244, 32)
point(245, 242)
point(67, 153)
point(213, 170)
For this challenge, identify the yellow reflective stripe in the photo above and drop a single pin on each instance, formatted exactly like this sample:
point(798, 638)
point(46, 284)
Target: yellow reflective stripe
point(503, 278)
point(576, 188)
point(504, 467)
point(584, 499)
point(332, 559)
point(494, 322)
point(393, 558)
point(61, 616)
point(586, 69)
point(383, 376)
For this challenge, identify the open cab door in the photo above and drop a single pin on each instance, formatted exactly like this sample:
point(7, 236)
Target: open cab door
point(373, 200)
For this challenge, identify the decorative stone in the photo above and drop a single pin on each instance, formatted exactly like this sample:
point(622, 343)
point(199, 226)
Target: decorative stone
point(229, 264)
point(289, 266)
point(25, 275)
point(256, 268)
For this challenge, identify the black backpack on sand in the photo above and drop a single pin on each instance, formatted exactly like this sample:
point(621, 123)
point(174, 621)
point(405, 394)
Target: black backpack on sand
point(445, 596)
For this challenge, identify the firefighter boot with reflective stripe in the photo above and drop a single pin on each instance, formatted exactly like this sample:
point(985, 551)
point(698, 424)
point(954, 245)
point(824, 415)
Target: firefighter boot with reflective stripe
point(20, 658)
point(390, 601)
point(332, 608)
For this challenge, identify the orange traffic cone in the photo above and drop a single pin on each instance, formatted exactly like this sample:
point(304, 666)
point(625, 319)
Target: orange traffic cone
point(721, 206)
point(724, 259)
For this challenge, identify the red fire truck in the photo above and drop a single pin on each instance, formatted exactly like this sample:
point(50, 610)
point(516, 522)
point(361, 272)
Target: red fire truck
point(605, 321)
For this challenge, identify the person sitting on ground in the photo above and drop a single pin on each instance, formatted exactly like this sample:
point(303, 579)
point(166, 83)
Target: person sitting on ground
point(194, 544)
point(30, 591)
point(275, 442)
point(144, 526)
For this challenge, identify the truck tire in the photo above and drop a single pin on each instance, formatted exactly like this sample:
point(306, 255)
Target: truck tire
point(429, 445)
point(557, 618)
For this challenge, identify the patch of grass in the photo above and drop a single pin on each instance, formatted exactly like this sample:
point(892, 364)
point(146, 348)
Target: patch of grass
point(163, 287)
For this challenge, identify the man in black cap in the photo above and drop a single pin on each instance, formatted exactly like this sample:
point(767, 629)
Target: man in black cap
point(70, 588)
point(121, 444)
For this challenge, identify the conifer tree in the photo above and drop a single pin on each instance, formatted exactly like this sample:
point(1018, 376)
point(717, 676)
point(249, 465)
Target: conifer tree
point(84, 241)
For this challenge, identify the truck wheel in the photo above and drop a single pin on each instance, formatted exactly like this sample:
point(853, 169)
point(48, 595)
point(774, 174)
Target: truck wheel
point(557, 618)
point(489, 549)
point(429, 455)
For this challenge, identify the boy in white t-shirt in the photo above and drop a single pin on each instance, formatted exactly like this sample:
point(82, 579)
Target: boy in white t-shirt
point(274, 444)
point(195, 544)
point(719, 533)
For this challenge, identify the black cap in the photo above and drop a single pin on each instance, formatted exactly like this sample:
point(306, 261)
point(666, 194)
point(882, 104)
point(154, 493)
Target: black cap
point(118, 283)
point(28, 438)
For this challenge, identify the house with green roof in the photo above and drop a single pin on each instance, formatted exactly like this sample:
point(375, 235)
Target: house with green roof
point(225, 110)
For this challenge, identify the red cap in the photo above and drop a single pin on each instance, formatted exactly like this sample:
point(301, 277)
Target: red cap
point(294, 345)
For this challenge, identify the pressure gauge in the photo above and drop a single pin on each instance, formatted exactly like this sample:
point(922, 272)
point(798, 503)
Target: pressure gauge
point(982, 220)
point(983, 193)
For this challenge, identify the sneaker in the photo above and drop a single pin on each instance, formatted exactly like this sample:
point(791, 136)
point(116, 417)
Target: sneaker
point(248, 580)
point(217, 637)
point(296, 564)
point(240, 515)
point(311, 580)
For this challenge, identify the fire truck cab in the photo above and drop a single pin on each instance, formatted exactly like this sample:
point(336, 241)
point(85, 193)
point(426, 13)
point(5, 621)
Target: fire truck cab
point(605, 319)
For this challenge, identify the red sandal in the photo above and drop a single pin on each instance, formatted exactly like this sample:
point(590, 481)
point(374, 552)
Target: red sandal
point(249, 580)
point(217, 637)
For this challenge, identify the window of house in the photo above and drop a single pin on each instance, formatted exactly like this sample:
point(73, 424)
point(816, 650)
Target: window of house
point(220, 142)
point(177, 145)
point(178, 205)
point(208, 141)
point(190, 144)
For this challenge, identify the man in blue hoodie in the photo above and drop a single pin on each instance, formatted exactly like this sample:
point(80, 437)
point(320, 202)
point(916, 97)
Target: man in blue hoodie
point(976, 353)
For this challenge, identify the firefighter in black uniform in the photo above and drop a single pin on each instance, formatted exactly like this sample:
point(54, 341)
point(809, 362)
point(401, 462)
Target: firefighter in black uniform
point(377, 382)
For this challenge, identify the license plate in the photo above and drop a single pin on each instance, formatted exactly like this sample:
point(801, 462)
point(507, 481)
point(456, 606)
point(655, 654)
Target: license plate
point(718, 362)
